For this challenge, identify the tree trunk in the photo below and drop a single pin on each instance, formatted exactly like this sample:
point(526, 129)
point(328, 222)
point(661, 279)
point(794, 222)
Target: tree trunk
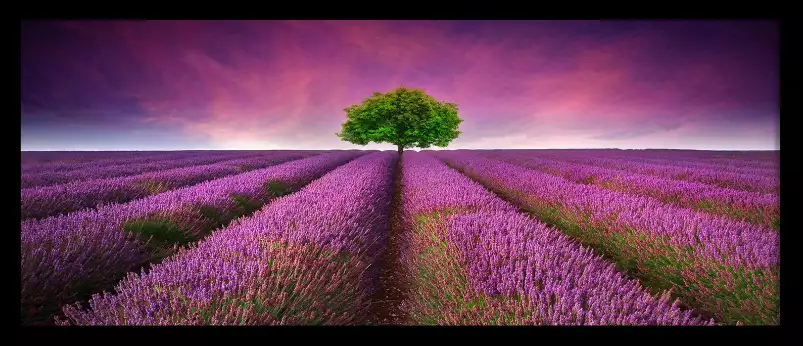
point(400, 149)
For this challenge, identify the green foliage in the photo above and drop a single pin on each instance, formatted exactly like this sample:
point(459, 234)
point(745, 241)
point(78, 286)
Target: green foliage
point(161, 231)
point(153, 186)
point(277, 188)
point(403, 117)
point(214, 216)
point(244, 205)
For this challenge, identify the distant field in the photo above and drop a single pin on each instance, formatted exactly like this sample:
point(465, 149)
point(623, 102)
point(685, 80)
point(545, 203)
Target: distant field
point(349, 237)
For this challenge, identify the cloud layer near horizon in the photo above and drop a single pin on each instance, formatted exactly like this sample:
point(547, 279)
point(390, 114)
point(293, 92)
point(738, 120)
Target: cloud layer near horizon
point(284, 84)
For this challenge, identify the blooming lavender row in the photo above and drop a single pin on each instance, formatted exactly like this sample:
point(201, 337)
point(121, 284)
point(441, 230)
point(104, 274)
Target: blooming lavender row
point(48, 178)
point(759, 208)
point(518, 270)
point(46, 201)
point(763, 184)
point(739, 166)
point(769, 163)
point(113, 158)
point(743, 167)
point(67, 257)
point(768, 155)
point(740, 159)
point(565, 283)
point(108, 159)
point(696, 253)
point(724, 161)
point(743, 159)
point(40, 158)
point(729, 157)
point(302, 259)
point(430, 186)
point(713, 235)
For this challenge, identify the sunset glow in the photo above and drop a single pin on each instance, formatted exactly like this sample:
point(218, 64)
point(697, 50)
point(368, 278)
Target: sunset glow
point(164, 85)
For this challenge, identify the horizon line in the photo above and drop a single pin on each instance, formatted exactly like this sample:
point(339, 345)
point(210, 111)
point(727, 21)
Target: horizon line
point(161, 150)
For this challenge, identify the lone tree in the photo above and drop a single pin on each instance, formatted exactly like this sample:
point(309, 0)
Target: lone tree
point(407, 118)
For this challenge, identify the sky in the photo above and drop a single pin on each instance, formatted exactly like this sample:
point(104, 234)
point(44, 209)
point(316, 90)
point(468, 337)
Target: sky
point(172, 85)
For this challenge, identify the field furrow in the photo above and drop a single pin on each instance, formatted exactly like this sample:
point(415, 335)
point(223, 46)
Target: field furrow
point(722, 268)
point(66, 258)
point(304, 259)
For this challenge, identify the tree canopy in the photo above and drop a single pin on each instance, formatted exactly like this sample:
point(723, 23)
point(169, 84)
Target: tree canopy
point(407, 118)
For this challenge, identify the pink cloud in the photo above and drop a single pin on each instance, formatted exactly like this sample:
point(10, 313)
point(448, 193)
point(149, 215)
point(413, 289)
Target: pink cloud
point(286, 83)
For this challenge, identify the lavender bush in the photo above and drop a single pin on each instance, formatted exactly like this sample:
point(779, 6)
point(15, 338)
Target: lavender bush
point(724, 268)
point(60, 199)
point(473, 259)
point(304, 259)
point(68, 257)
point(740, 181)
point(759, 208)
point(70, 161)
point(48, 178)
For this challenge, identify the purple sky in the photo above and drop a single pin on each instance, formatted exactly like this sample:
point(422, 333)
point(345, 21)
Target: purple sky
point(284, 84)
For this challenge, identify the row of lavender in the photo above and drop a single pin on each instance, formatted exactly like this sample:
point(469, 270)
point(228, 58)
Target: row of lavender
point(739, 166)
point(766, 163)
point(43, 158)
point(74, 161)
point(759, 208)
point(47, 178)
point(66, 258)
point(67, 162)
point(473, 259)
point(769, 183)
point(47, 201)
point(763, 159)
point(728, 157)
point(724, 268)
point(304, 259)
point(733, 166)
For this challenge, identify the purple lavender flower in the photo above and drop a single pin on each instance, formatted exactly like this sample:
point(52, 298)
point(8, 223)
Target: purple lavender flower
point(519, 270)
point(46, 201)
point(119, 169)
point(725, 268)
point(760, 208)
point(304, 259)
point(65, 258)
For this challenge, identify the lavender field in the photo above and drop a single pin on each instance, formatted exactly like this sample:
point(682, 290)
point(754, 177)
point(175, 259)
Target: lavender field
point(361, 237)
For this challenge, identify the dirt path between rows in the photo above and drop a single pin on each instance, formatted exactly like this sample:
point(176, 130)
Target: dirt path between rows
point(391, 285)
